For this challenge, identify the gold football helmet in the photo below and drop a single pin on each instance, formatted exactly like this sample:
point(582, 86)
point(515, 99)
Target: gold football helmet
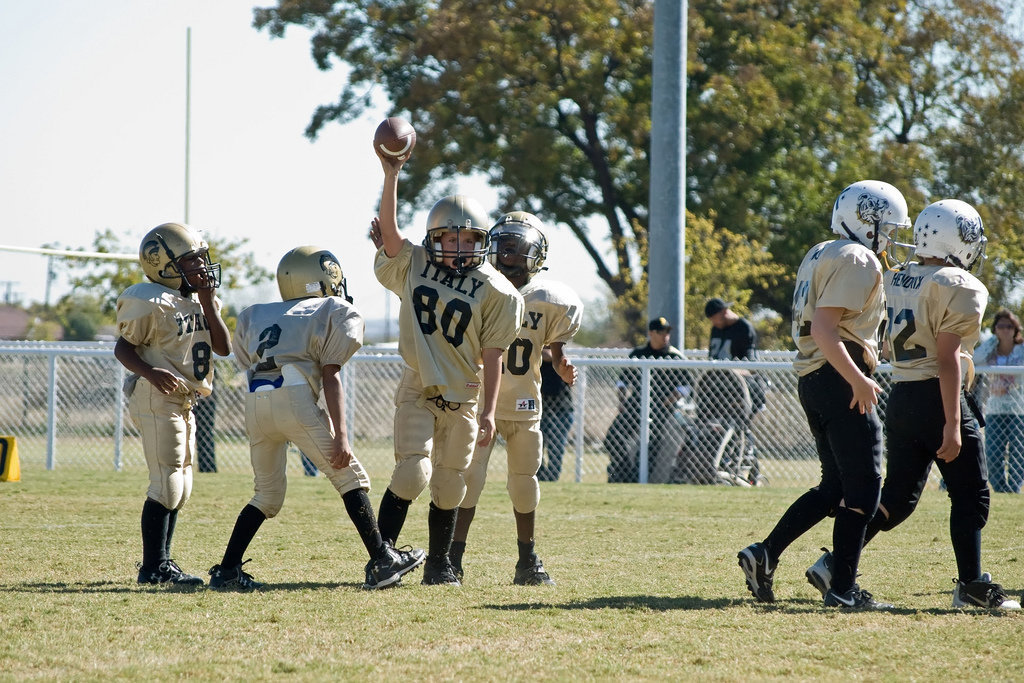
point(165, 246)
point(457, 213)
point(309, 271)
point(518, 245)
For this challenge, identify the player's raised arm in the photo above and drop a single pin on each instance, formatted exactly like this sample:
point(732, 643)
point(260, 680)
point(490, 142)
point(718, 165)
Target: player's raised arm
point(387, 215)
point(220, 338)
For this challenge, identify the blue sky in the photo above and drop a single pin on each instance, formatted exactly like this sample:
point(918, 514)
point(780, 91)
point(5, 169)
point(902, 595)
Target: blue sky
point(92, 132)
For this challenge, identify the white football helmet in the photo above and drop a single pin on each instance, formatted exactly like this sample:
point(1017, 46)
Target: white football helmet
point(950, 230)
point(457, 213)
point(518, 234)
point(870, 212)
point(306, 272)
point(165, 246)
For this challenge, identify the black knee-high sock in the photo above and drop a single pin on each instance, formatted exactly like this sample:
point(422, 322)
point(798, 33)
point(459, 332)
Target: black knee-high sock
point(802, 515)
point(847, 543)
point(456, 552)
point(526, 555)
point(360, 511)
point(154, 533)
point(248, 523)
point(172, 521)
point(391, 517)
point(967, 551)
point(441, 524)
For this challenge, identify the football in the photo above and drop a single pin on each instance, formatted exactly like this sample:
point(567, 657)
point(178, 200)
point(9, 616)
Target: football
point(395, 137)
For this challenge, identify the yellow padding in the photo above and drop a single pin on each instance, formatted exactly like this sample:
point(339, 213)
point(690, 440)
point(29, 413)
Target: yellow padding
point(10, 467)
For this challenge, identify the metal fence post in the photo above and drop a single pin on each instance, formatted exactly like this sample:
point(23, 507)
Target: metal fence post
point(581, 391)
point(645, 423)
point(51, 412)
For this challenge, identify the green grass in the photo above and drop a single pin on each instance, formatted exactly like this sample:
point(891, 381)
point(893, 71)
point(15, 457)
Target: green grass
point(648, 589)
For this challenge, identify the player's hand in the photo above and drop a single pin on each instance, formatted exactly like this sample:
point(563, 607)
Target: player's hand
point(202, 281)
point(950, 448)
point(567, 371)
point(388, 163)
point(164, 380)
point(865, 394)
point(375, 236)
point(487, 430)
point(341, 452)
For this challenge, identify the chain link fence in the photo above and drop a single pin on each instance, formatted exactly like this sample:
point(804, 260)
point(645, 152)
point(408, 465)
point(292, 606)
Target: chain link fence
point(666, 421)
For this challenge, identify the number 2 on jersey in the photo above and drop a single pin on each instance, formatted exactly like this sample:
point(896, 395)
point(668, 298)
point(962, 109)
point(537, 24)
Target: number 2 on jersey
point(268, 340)
point(901, 350)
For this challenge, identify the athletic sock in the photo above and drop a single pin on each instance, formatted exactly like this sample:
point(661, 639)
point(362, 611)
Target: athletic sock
point(441, 525)
point(154, 533)
point(172, 521)
point(391, 516)
point(360, 511)
point(527, 558)
point(805, 512)
point(458, 549)
point(248, 523)
point(847, 543)
point(967, 550)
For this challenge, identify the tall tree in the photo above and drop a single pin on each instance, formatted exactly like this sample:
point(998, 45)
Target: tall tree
point(788, 101)
point(791, 101)
point(549, 100)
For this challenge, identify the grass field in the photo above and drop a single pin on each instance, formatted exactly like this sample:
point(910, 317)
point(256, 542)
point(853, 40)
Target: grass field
point(648, 589)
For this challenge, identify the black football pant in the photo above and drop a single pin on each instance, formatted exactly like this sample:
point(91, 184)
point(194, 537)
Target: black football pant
point(849, 448)
point(914, 419)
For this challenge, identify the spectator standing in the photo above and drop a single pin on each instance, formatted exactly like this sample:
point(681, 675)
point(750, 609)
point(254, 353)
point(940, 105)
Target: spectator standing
point(1004, 404)
point(732, 336)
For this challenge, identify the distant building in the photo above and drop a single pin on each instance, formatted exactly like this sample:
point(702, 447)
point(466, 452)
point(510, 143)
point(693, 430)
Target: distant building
point(14, 322)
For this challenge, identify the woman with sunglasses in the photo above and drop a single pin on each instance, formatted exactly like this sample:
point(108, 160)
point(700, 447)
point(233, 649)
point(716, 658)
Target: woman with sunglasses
point(1004, 405)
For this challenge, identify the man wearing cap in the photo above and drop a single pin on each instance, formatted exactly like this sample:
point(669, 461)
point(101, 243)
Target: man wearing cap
point(667, 387)
point(732, 337)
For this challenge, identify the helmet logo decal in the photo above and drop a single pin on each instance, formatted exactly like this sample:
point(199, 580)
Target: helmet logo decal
point(871, 208)
point(151, 252)
point(330, 266)
point(970, 229)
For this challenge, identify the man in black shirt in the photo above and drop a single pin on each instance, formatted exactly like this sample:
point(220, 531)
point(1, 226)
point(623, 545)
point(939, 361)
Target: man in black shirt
point(666, 436)
point(732, 337)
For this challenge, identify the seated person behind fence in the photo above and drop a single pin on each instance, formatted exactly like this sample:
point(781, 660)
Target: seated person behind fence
point(1004, 403)
point(666, 434)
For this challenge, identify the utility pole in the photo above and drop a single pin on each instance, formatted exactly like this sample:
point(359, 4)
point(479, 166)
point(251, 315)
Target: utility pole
point(666, 269)
point(188, 111)
point(9, 294)
point(51, 275)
